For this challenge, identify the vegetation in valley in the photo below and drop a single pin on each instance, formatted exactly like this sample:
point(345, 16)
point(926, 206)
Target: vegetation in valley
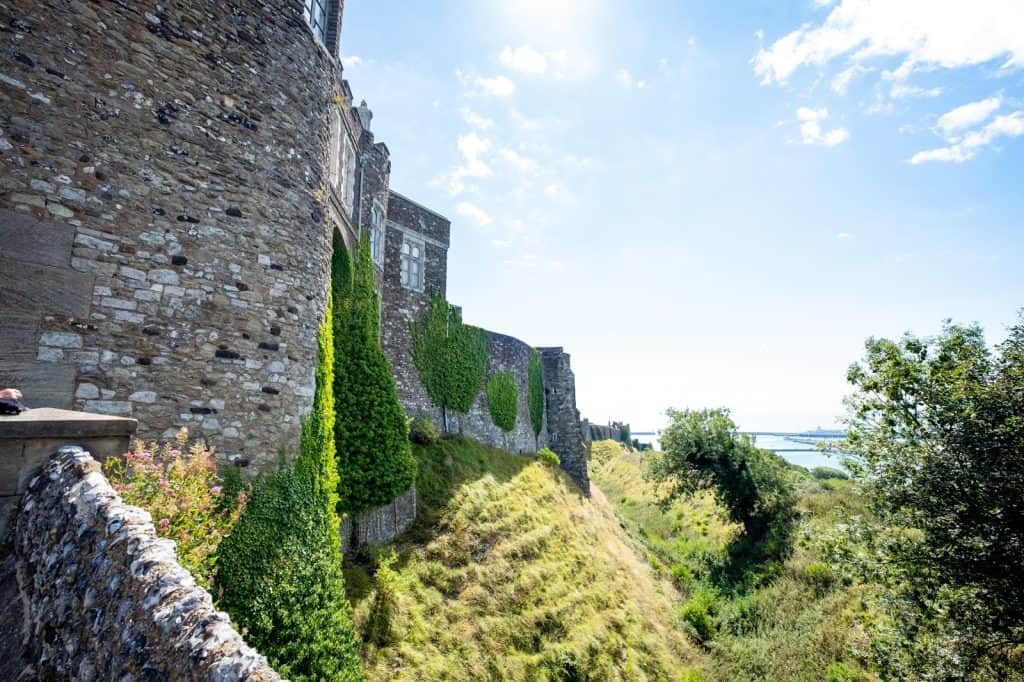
point(796, 618)
point(510, 573)
point(451, 357)
point(375, 464)
point(280, 574)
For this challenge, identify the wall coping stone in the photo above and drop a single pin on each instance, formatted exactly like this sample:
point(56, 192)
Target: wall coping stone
point(51, 423)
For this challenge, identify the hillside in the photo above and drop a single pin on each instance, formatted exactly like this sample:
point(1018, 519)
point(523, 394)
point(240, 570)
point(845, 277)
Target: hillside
point(804, 620)
point(511, 574)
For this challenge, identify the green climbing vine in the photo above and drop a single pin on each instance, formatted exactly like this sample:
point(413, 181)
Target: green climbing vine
point(451, 357)
point(503, 400)
point(279, 571)
point(535, 393)
point(375, 461)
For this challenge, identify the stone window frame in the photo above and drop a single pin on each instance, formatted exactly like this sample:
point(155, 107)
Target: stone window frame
point(317, 13)
point(407, 261)
point(378, 228)
point(334, 171)
point(348, 173)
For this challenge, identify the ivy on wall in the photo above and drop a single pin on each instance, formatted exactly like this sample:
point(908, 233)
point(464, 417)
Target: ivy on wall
point(535, 393)
point(375, 461)
point(503, 400)
point(279, 571)
point(451, 357)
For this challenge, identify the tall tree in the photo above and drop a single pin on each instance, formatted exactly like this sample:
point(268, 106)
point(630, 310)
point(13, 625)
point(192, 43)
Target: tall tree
point(450, 356)
point(375, 462)
point(936, 428)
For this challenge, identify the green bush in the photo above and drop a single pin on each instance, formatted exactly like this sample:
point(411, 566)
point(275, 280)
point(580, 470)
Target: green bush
point(535, 393)
point(828, 473)
point(503, 400)
point(841, 672)
point(819, 575)
point(424, 431)
point(549, 457)
point(375, 460)
point(698, 615)
point(451, 357)
point(279, 571)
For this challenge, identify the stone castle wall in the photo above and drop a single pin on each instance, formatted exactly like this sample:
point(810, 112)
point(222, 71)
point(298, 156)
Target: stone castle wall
point(164, 235)
point(104, 597)
point(563, 419)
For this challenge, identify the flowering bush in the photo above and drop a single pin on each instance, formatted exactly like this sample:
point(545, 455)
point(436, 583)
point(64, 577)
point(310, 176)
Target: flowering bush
point(178, 484)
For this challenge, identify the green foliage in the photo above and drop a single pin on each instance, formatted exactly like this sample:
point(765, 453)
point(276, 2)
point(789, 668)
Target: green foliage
point(503, 400)
point(698, 614)
point(549, 457)
point(424, 431)
point(280, 573)
point(378, 629)
point(535, 393)
point(375, 461)
point(178, 485)
point(512, 575)
point(828, 473)
point(703, 449)
point(937, 429)
point(451, 357)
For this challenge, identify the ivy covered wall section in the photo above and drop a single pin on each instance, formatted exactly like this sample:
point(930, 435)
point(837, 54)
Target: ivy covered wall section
point(374, 457)
point(279, 571)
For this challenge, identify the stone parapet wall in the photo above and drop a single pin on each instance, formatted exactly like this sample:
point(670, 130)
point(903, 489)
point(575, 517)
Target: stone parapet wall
point(563, 419)
point(165, 246)
point(104, 597)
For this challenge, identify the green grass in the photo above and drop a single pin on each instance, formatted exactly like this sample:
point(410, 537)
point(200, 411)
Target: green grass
point(511, 574)
point(804, 623)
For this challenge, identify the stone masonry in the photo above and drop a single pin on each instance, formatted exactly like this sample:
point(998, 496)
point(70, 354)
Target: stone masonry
point(104, 598)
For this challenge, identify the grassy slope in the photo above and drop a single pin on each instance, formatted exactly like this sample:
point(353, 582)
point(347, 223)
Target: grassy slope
point(803, 625)
point(511, 574)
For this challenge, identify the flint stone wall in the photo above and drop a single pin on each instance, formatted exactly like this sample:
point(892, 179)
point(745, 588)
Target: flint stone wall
point(163, 235)
point(104, 597)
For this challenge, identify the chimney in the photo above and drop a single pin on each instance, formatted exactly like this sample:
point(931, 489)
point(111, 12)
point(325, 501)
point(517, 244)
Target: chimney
point(365, 115)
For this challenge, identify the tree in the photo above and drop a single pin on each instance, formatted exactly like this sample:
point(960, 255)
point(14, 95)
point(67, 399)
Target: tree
point(535, 394)
point(936, 430)
point(503, 400)
point(451, 357)
point(375, 462)
point(704, 449)
point(279, 571)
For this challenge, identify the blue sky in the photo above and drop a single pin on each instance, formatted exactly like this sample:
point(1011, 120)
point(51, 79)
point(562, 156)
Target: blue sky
point(709, 204)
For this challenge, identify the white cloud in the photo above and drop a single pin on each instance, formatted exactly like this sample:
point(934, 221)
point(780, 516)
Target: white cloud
point(557, 192)
point(626, 78)
point(923, 33)
point(474, 213)
point(811, 130)
point(517, 161)
point(499, 86)
point(476, 120)
point(1009, 125)
point(526, 59)
point(841, 81)
point(903, 91)
point(969, 115)
point(351, 60)
point(843, 236)
point(473, 148)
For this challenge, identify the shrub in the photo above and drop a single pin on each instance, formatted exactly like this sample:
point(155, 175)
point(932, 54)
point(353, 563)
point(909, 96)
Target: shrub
point(828, 473)
point(549, 457)
point(503, 400)
point(424, 431)
point(375, 461)
point(535, 393)
point(280, 573)
point(178, 485)
point(819, 576)
point(841, 672)
point(698, 615)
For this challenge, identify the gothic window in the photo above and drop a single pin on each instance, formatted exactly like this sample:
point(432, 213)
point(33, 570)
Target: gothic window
point(315, 12)
point(377, 219)
point(348, 188)
point(335, 168)
point(413, 259)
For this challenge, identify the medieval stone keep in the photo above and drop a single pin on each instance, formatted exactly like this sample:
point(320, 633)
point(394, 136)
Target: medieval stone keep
point(171, 176)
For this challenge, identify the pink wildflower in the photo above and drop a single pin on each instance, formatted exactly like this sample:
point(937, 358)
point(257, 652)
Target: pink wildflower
point(215, 490)
point(164, 523)
point(174, 453)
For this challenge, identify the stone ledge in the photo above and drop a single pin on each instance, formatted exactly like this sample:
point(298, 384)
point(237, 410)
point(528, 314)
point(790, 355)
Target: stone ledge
point(52, 423)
